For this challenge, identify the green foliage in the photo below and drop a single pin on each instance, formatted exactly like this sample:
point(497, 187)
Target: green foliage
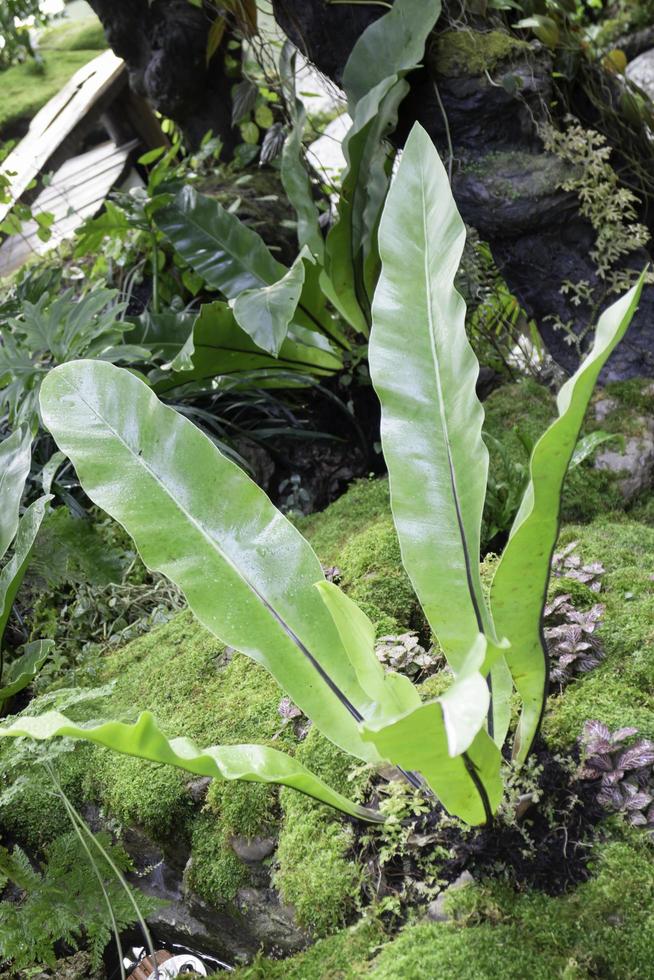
point(287, 616)
point(62, 901)
point(611, 209)
point(16, 45)
point(54, 330)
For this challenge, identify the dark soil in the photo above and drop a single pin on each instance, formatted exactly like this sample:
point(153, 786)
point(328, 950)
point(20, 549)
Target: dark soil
point(546, 848)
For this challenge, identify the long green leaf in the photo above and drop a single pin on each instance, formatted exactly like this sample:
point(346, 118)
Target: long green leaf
point(392, 694)
point(294, 174)
point(444, 740)
point(22, 672)
point(431, 416)
point(218, 347)
point(144, 740)
point(375, 86)
point(15, 462)
point(365, 183)
point(392, 45)
point(247, 573)
point(520, 583)
point(13, 572)
point(266, 313)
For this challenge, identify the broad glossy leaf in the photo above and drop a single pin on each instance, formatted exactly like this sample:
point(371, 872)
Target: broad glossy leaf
point(392, 45)
point(227, 254)
point(445, 742)
point(15, 462)
point(217, 346)
point(431, 416)
point(391, 693)
point(230, 256)
point(266, 313)
point(164, 334)
point(247, 573)
point(145, 740)
point(520, 583)
point(22, 671)
point(13, 572)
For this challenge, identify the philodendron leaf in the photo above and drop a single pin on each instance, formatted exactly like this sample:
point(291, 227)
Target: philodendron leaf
point(14, 570)
point(445, 741)
point(247, 573)
point(15, 462)
point(266, 313)
point(217, 346)
point(227, 254)
point(520, 584)
point(23, 670)
point(431, 416)
point(144, 740)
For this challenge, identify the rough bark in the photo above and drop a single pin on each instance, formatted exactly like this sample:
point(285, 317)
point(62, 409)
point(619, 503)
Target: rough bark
point(504, 183)
point(164, 45)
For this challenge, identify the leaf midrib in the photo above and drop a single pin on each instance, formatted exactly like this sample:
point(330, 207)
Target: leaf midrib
point(443, 414)
point(228, 560)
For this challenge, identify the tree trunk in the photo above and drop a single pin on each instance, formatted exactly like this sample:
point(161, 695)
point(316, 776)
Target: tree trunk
point(483, 93)
point(164, 44)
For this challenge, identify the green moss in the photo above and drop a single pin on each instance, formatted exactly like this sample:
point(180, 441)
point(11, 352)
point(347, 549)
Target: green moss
point(603, 928)
point(74, 35)
point(316, 874)
point(26, 88)
point(216, 873)
point(339, 957)
point(365, 503)
point(373, 575)
point(183, 674)
point(516, 416)
point(621, 690)
point(460, 53)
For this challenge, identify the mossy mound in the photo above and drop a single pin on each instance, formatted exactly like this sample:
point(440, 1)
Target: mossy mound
point(26, 88)
point(356, 535)
point(516, 416)
point(621, 690)
point(461, 53)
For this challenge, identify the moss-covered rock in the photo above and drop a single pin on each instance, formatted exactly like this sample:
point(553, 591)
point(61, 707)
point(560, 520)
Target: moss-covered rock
point(621, 690)
point(315, 871)
point(604, 928)
point(517, 414)
point(460, 53)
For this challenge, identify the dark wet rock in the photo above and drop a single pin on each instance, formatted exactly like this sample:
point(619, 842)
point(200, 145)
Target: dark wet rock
point(198, 788)
point(634, 461)
point(252, 850)
point(436, 910)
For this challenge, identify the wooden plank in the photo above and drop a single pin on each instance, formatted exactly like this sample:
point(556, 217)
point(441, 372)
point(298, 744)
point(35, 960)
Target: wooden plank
point(57, 120)
point(77, 191)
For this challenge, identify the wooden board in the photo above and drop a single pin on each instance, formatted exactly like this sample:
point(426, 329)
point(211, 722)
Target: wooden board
point(77, 192)
point(93, 85)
